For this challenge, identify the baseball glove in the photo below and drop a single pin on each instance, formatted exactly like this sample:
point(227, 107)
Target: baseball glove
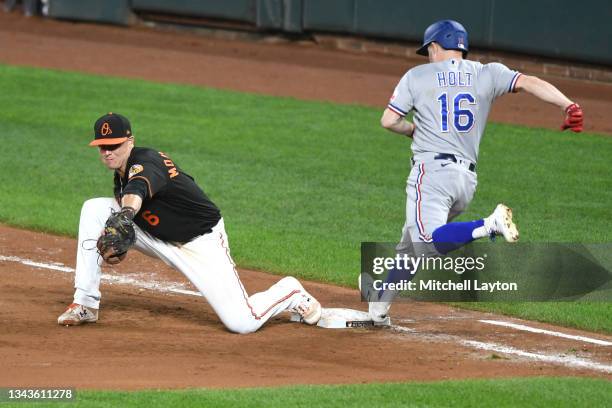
point(118, 236)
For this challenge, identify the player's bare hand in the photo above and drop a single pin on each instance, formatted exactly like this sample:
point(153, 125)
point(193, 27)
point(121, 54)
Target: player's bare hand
point(573, 118)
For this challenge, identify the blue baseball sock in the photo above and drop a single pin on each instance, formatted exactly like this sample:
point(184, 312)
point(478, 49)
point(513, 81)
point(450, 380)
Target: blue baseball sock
point(453, 235)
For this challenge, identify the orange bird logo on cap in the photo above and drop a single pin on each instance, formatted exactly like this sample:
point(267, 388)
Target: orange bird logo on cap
point(106, 129)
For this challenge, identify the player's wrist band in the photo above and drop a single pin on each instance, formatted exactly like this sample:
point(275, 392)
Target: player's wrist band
point(128, 211)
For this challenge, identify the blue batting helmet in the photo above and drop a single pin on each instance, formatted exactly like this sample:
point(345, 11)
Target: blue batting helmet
point(448, 33)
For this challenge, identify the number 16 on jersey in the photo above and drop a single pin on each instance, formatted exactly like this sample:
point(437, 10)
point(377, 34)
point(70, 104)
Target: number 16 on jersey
point(463, 117)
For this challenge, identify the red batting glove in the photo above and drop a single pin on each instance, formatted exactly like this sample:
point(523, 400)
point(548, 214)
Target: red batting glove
point(573, 118)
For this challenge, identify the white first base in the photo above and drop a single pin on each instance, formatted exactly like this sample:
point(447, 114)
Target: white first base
point(340, 318)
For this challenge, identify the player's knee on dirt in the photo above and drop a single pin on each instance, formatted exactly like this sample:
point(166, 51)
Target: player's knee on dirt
point(239, 326)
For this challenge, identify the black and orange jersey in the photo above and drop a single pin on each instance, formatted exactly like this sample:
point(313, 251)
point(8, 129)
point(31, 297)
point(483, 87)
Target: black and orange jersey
point(174, 208)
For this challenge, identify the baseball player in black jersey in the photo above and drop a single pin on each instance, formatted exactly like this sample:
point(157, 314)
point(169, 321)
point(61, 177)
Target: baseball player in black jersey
point(174, 221)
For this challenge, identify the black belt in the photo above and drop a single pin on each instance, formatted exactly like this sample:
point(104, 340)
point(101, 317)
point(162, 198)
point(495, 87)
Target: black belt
point(448, 156)
point(453, 158)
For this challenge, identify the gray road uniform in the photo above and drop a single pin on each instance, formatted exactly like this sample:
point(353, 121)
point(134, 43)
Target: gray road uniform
point(451, 100)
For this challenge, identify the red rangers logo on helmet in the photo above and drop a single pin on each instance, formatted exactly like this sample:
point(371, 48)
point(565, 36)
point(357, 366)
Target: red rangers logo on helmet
point(460, 42)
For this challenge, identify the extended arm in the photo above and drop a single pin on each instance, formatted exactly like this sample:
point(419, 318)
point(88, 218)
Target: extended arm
point(133, 201)
point(549, 93)
point(542, 90)
point(396, 123)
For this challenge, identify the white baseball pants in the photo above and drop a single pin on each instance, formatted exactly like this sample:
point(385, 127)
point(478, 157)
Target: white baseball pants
point(205, 261)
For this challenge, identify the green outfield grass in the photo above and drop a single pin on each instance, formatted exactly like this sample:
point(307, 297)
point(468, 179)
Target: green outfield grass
point(300, 184)
point(532, 392)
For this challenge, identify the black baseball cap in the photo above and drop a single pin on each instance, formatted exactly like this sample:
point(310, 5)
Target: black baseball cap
point(111, 129)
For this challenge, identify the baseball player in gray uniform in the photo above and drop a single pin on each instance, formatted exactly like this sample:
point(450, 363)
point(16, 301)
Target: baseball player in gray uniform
point(451, 98)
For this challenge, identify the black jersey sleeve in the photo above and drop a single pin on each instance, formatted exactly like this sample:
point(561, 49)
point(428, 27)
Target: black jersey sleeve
point(139, 187)
point(146, 179)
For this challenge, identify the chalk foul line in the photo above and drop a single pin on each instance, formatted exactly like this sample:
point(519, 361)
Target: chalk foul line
point(115, 279)
point(566, 360)
point(548, 332)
